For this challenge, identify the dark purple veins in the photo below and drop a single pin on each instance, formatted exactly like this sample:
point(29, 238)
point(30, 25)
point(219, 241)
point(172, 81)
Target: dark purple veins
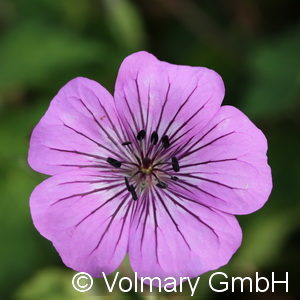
point(156, 164)
point(145, 169)
point(149, 167)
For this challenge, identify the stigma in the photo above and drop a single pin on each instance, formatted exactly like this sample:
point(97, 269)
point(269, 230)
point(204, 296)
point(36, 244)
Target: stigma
point(146, 171)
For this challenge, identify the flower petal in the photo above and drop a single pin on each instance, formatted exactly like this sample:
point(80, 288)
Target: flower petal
point(169, 99)
point(86, 216)
point(226, 166)
point(176, 236)
point(77, 130)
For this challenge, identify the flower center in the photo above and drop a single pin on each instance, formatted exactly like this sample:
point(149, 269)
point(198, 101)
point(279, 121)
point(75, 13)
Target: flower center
point(146, 171)
point(146, 167)
point(150, 163)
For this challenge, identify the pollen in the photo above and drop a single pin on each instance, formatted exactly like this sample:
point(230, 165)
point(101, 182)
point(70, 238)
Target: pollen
point(146, 171)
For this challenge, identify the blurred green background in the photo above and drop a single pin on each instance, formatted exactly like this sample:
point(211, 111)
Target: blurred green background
point(253, 44)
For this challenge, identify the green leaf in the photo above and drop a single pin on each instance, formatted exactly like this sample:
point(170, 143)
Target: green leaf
point(50, 284)
point(264, 238)
point(32, 53)
point(24, 249)
point(274, 87)
point(125, 23)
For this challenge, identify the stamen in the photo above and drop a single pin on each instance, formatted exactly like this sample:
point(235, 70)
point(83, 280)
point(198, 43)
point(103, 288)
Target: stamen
point(126, 143)
point(165, 141)
point(162, 185)
point(154, 138)
point(175, 164)
point(127, 184)
point(141, 135)
point(175, 178)
point(133, 192)
point(115, 163)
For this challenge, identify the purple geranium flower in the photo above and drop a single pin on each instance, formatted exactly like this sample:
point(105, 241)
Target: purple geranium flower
point(156, 172)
